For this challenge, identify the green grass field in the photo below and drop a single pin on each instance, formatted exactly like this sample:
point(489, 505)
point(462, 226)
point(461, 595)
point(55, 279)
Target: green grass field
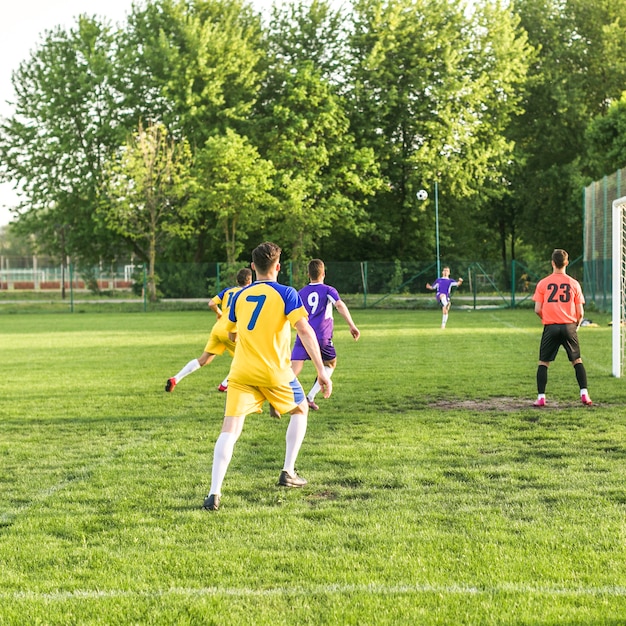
point(437, 494)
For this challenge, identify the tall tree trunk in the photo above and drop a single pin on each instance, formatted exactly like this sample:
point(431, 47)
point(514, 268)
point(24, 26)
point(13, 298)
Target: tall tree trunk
point(151, 269)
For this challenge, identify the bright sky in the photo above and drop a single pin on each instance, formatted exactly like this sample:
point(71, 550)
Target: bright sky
point(21, 29)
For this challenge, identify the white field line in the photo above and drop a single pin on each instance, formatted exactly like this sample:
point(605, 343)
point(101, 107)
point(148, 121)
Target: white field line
point(494, 317)
point(337, 589)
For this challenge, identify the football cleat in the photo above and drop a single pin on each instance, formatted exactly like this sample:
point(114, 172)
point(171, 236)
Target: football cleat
point(539, 402)
point(170, 384)
point(211, 502)
point(586, 400)
point(222, 387)
point(287, 480)
point(312, 405)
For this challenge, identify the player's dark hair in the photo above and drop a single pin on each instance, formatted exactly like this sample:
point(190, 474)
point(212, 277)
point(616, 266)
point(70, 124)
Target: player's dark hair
point(315, 269)
point(244, 275)
point(265, 255)
point(560, 258)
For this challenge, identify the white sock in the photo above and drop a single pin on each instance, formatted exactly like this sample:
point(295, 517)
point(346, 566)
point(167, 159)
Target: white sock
point(584, 392)
point(541, 396)
point(225, 382)
point(294, 438)
point(192, 366)
point(222, 455)
point(444, 319)
point(316, 387)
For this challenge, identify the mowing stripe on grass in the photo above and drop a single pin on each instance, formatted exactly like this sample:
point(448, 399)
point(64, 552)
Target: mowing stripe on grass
point(7, 517)
point(373, 589)
point(603, 367)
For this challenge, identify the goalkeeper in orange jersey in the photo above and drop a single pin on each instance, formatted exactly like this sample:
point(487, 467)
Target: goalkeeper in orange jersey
point(559, 302)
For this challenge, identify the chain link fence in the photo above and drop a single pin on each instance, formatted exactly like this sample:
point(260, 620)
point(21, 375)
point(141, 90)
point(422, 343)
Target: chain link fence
point(598, 200)
point(362, 284)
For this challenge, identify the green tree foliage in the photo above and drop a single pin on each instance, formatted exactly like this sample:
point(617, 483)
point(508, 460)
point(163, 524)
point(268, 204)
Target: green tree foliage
point(14, 244)
point(323, 180)
point(194, 65)
point(606, 140)
point(64, 127)
point(312, 32)
point(232, 183)
point(579, 70)
point(432, 93)
point(145, 189)
point(507, 106)
point(499, 61)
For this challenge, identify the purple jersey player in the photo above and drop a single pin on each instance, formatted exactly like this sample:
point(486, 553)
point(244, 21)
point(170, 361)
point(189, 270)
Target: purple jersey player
point(319, 300)
point(442, 286)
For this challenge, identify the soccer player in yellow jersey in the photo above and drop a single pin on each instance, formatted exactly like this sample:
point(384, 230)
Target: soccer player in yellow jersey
point(262, 316)
point(218, 342)
point(559, 302)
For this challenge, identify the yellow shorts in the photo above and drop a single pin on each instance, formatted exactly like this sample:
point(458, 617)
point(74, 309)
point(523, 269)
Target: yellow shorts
point(218, 344)
point(242, 400)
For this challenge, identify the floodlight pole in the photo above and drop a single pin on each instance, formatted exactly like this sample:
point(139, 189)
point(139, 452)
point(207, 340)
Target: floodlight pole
point(437, 227)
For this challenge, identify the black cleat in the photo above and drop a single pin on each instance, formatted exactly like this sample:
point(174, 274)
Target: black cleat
point(211, 502)
point(287, 480)
point(170, 384)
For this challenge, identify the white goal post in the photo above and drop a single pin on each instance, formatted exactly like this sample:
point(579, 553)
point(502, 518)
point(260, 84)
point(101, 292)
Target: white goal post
point(618, 272)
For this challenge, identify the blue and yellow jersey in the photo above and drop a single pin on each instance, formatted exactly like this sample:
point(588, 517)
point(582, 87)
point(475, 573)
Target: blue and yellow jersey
point(225, 299)
point(261, 315)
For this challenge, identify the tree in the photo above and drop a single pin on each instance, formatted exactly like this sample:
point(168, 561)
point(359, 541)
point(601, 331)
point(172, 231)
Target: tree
point(431, 93)
point(323, 179)
point(145, 190)
point(232, 183)
point(192, 64)
point(196, 67)
point(499, 62)
point(64, 128)
point(312, 32)
point(578, 72)
point(605, 139)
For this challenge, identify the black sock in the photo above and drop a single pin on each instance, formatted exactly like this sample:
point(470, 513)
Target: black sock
point(542, 378)
point(581, 375)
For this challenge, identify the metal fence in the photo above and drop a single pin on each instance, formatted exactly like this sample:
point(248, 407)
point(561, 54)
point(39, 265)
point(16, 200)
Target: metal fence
point(363, 284)
point(598, 199)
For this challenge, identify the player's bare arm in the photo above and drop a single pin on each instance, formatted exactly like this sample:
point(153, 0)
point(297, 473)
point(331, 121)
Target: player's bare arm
point(215, 308)
point(345, 313)
point(580, 314)
point(309, 341)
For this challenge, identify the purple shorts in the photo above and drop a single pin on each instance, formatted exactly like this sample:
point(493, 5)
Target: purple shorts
point(300, 354)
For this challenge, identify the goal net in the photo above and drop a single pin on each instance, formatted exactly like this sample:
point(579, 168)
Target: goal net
point(618, 274)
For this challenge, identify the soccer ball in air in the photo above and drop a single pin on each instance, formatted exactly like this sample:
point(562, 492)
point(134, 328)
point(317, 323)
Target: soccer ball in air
point(422, 194)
